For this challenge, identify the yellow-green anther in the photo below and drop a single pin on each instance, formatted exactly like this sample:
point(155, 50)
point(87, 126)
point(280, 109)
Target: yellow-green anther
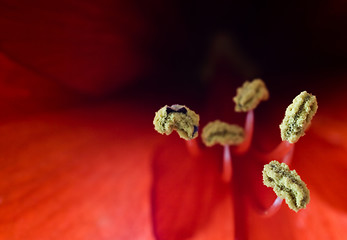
point(286, 184)
point(298, 117)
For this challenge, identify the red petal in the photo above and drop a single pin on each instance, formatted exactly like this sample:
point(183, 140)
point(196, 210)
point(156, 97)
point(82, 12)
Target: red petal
point(78, 174)
point(321, 159)
point(186, 191)
point(318, 221)
point(24, 91)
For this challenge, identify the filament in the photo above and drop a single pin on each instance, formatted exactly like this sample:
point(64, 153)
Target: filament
point(249, 126)
point(227, 164)
point(287, 159)
point(283, 151)
point(275, 206)
point(193, 147)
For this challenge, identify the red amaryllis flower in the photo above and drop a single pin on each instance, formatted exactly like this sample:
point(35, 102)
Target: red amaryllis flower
point(79, 164)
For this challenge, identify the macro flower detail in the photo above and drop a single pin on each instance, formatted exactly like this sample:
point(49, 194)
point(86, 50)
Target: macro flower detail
point(286, 184)
point(179, 118)
point(190, 164)
point(80, 82)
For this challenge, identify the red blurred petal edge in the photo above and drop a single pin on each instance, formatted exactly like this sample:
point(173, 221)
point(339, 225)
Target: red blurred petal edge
point(89, 46)
point(187, 192)
point(24, 91)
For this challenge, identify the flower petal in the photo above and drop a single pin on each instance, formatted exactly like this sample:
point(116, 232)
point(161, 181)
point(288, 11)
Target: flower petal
point(23, 91)
point(88, 45)
point(317, 221)
point(187, 189)
point(78, 174)
point(321, 160)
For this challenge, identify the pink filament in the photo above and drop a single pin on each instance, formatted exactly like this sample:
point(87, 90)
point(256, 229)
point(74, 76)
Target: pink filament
point(275, 206)
point(193, 147)
point(283, 151)
point(227, 164)
point(287, 159)
point(249, 126)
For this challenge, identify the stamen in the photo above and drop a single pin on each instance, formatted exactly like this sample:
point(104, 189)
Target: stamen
point(249, 126)
point(179, 118)
point(218, 132)
point(227, 164)
point(249, 95)
point(286, 184)
point(298, 117)
point(225, 134)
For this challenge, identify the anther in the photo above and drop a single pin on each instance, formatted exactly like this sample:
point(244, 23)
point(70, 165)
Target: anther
point(286, 184)
point(250, 95)
point(298, 117)
point(218, 132)
point(179, 118)
point(225, 134)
